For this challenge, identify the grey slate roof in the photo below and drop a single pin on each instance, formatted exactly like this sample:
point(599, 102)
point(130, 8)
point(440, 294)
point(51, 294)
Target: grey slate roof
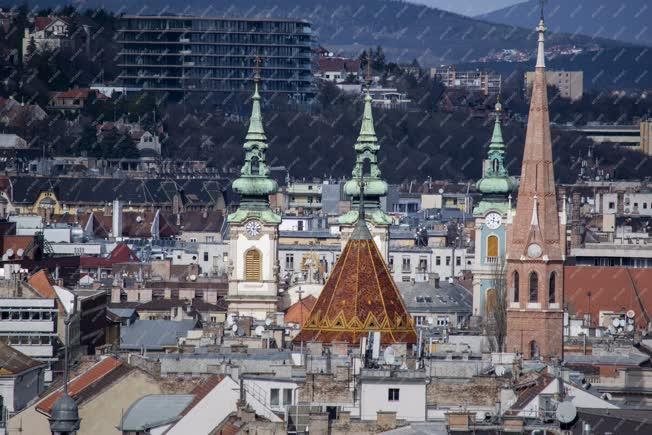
point(25, 189)
point(425, 297)
point(154, 410)
point(630, 358)
point(154, 334)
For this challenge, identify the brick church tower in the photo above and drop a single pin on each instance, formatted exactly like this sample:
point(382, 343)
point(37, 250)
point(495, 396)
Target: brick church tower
point(536, 242)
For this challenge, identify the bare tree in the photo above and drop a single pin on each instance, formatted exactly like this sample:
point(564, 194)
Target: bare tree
point(496, 318)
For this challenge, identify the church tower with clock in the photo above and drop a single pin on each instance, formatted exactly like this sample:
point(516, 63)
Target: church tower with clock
point(536, 247)
point(366, 166)
point(492, 219)
point(253, 250)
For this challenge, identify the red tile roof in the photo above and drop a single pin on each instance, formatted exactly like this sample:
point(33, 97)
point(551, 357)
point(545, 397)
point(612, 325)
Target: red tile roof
point(120, 254)
point(42, 283)
point(616, 289)
point(80, 383)
point(298, 312)
point(15, 243)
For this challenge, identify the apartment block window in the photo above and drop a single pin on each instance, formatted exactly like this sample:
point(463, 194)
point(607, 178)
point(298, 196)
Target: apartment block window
point(289, 261)
point(423, 264)
point(448, 261)
point(287, 396)
point(419, 320)
point(210, 239)
point(274, 397)
point(300, 225)
point(205, 256)
point(405, 279)
point(393, 394)
point(458, 261)
point(438, 260)
point(406, 264)
point(612, 205)
point(391, 264)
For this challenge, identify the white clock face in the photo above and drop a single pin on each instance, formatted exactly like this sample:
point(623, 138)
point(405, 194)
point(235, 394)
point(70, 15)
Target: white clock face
point(534, 250)
point(493, 220)
point(253, 228)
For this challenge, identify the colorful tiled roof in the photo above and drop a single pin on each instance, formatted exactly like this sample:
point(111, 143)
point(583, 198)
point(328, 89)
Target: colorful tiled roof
point(360, 296)
point(41, 282)
point(80, 383)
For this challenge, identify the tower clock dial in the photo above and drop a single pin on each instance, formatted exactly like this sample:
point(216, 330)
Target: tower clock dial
point(493, 220)
point(253, 228)
point(534, 250)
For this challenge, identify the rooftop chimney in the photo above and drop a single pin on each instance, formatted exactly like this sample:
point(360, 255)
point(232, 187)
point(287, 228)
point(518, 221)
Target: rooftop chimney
point(116, 219)
point(433, 279)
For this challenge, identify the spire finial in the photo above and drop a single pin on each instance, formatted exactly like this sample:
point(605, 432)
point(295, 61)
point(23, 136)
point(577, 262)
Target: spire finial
point(368, 75)
point(257, 67)
point(541, 29)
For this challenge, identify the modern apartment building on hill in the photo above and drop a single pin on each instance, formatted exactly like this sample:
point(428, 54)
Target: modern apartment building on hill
point(183, 53)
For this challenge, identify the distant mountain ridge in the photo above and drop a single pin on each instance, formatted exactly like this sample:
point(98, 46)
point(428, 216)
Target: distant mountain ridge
point(405, 31)
point(628, 21)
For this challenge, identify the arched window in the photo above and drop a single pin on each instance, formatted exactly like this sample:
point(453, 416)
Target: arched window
point(490, 302)
point(366, 167)
point(534, 287)
point(495, 166)
point(551, 289)
point(492, 246)
point(255, 166)
point(516, 286)
point(253, 265)
point(534, 350)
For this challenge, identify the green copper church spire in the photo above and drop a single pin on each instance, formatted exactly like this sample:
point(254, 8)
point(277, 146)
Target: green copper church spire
point(254, 184)
point(366, 165)
point(495, 183)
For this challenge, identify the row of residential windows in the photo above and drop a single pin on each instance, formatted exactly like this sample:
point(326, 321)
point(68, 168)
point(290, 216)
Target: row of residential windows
point(289, 263)
point(207, 24)
point(243, 85)
point(533, 284)
point(27, 340)
point(406, 266)
point(644, 205)
point(216, 38)
point(25, 315)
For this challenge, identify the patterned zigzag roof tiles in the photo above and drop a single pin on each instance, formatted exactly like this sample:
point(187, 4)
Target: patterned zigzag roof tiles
point(360, 296)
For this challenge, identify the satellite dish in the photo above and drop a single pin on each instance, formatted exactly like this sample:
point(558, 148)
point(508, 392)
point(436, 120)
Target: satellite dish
point(193, 277)
point(9, 252)
point(259, 330)
point(620, 330)
point(566, 412)
point(268, 322)
point(615, 322)
point(20, 252)
point(389, 356)
point(630, 327)
point(229, 319)
point(622, 322)
point(630, 321)
point(139, 219)
point(431, 320)
point(631, 314)
point(234, 328)
point(500, 371)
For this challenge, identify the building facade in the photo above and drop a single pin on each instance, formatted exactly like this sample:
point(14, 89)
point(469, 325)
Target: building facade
point(175, 53)
point(569, 83)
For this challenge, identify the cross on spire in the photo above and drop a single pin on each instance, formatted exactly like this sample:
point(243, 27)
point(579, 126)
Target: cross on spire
point(542, 4)
point(258, 60)
point(368, 75)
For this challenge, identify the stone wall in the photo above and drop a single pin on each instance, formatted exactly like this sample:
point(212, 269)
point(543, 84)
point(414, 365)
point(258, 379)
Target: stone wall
point(325, 389)
point(479, 391)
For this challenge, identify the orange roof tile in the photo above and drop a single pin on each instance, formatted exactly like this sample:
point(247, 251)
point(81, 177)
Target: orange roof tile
point(41, 282)
point(298, 312)
point(83, 381)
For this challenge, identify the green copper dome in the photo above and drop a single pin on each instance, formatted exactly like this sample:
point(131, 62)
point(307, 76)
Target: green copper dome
point(254, 184)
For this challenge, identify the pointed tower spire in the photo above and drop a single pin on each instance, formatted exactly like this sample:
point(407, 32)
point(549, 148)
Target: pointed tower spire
point(366, 165)
point(541, 52)
point(254, 184)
